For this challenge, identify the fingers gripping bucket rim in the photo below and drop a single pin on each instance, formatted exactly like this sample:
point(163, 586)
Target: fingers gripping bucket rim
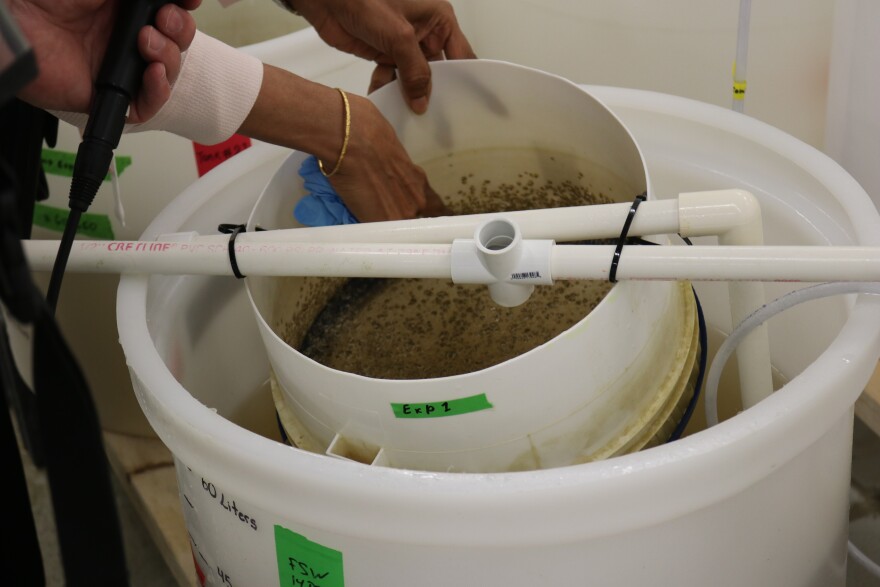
point(632, 355)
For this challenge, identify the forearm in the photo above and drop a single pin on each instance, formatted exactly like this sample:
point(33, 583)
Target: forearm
point(294, 112)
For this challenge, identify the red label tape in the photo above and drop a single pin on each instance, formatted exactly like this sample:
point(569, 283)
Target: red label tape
point(210, 156)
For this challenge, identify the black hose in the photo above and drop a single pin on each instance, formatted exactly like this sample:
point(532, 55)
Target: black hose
point(61, 259)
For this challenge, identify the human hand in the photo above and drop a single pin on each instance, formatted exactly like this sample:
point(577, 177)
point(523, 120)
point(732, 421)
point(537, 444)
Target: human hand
point(401, 36)
point(69, 39)
point(377, 180)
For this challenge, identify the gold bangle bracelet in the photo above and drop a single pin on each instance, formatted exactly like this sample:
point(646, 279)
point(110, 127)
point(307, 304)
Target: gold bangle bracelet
point(344, 140)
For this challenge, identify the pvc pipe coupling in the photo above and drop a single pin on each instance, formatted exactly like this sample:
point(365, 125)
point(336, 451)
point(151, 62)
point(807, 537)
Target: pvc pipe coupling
point(498, 256)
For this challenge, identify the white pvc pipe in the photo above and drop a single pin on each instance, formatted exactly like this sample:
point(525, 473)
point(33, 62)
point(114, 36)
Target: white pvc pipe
point(266, 259)
point(690, 214)
point(499, 247)
point(753, 354)
point(735, 216)
point(711, 263)
point(561, 224)
point(696, 263)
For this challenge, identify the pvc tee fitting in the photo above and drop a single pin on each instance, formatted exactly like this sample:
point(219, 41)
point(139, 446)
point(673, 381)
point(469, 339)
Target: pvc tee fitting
point(497, 256)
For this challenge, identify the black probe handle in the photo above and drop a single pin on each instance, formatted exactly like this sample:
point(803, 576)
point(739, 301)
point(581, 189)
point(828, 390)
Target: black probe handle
point(118, 81)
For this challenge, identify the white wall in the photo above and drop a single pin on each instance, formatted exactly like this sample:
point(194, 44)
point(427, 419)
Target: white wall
point(681, 47)
point(853, 132)
point(246, 21)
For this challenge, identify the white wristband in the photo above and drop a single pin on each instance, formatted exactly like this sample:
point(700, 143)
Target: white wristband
point(213, 94)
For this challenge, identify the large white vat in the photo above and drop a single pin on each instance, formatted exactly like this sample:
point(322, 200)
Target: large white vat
point(761, 499)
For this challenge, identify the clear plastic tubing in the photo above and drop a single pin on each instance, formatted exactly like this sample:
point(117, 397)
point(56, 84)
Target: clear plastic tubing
point(760, 316)
point(742, 55)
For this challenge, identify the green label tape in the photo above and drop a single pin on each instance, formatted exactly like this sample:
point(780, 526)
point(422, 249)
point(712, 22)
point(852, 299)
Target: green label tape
point(303, 563)
point(453, 407)
point(91, 225)
point(61, 163)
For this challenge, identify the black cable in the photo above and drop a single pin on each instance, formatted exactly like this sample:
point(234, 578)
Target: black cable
point(698, 384)
point(61, 259)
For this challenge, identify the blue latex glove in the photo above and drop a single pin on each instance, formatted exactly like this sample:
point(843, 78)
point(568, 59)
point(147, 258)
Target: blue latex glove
point(321, 206)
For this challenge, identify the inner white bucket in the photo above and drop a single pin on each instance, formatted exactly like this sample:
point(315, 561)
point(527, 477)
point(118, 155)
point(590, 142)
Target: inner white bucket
point(761, 499)
point(595, 390)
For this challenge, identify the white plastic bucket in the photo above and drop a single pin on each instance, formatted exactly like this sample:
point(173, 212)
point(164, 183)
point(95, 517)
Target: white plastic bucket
point(613, 373)
point(761, 499)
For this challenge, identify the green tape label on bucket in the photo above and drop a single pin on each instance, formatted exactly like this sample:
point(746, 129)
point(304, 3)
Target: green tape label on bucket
point(61, 163)
point(303, 563)
point(452, 407)
point(91, 225)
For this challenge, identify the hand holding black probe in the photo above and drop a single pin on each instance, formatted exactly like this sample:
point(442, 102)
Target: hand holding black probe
point(127, 43)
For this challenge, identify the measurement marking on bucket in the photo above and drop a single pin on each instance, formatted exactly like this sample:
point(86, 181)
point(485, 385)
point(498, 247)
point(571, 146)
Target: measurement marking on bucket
point(303, 563)
point(228, 504)
point(453, 407)
point(224, 577)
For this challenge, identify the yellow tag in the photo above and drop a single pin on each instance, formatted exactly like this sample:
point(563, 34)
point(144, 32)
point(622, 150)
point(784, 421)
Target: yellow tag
point(739, 88)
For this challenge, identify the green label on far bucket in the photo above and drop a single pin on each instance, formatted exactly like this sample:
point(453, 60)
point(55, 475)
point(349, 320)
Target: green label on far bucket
point(452, 407)
point(92, 225)
point(61, 163)
point(302, 562)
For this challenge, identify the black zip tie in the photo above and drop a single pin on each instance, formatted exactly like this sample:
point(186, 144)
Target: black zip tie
point(233, 231)
point(615, 260)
